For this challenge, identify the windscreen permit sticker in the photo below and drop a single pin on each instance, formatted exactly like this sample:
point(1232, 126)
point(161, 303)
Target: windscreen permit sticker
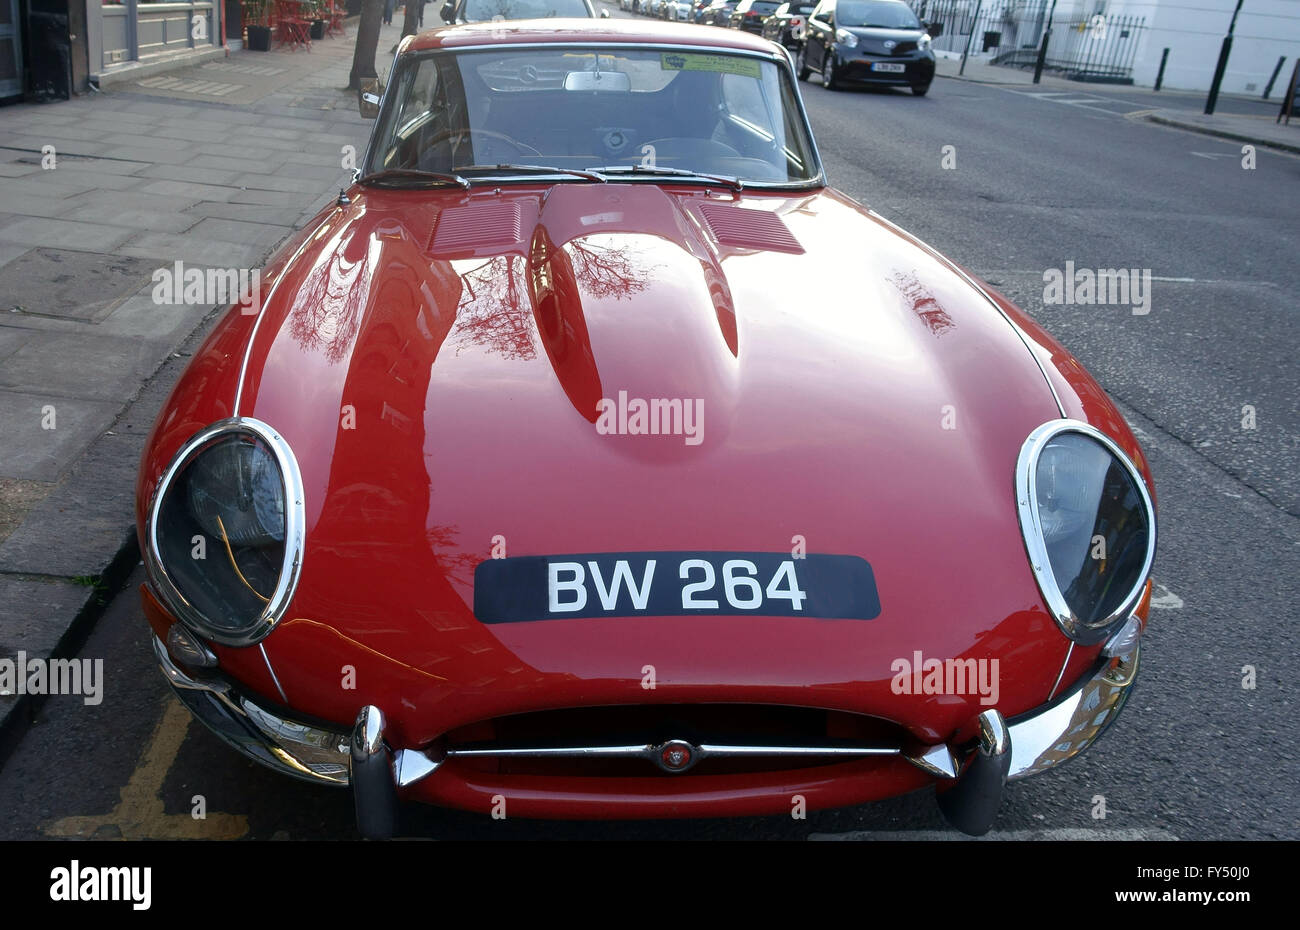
point(725, 64)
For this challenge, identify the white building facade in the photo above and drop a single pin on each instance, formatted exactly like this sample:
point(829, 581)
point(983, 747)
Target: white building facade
point(1130, 39)
point(1193, 31)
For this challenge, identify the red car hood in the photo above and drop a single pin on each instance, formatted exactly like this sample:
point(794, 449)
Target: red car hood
point(436, 361)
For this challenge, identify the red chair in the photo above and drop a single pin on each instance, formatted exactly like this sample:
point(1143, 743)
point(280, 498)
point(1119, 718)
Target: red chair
point(334, 20)
point(291, 29)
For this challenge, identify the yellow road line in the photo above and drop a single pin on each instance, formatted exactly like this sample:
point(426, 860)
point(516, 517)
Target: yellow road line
point(139, 813)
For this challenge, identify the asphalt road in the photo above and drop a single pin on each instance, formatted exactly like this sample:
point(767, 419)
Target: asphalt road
point(1036, 184)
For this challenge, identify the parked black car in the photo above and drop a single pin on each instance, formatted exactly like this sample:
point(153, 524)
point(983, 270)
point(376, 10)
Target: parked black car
point(750, 14)
point(718, 13)
point(785, 26)
point(866, 41)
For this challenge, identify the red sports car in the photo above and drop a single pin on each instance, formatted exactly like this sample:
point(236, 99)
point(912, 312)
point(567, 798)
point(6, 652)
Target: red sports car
point(535, 484)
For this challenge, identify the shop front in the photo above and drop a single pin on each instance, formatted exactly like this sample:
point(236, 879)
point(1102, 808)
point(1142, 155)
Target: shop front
point(127, 36)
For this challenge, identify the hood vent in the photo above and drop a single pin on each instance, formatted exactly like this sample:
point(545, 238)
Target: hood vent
point(748, 229)
point(477, 226)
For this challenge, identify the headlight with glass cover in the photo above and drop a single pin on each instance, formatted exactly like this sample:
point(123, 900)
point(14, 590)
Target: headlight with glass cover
point(846, 38)
point(923, 43)
point(1089, 527)
point(225, 531)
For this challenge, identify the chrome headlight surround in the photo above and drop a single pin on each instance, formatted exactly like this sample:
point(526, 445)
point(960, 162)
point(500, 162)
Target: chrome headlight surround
point(1036, 546)
point(294, 532)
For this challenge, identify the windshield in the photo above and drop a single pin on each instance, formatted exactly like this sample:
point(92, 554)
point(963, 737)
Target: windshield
point(575, 108)
point(886, 14)
point(480, 10)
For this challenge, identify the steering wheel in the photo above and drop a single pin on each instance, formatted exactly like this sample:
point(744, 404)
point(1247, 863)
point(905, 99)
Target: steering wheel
point(520, 147)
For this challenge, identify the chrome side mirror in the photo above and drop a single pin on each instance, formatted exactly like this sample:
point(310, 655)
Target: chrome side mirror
point(369, 96)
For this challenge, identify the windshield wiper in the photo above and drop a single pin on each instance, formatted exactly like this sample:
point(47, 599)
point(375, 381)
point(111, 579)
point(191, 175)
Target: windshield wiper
point(413, 174)
point(734, 183)
point(536, 169)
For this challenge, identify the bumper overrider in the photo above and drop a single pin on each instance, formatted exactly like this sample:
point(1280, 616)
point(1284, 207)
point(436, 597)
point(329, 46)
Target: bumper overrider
point(970, 778)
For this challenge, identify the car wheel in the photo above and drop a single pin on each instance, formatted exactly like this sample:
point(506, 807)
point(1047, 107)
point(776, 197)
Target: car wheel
point(801, 63)
point(828, 72)
point(920, 90)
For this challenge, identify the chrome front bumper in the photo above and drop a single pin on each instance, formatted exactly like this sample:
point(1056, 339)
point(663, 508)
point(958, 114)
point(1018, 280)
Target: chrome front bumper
point(301, 750)
point(1035, 741)
point(1047, 736)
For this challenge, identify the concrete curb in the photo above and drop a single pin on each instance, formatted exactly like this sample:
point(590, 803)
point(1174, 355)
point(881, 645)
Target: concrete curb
point(18, 712)
point(112, 552)
point(1222, 133)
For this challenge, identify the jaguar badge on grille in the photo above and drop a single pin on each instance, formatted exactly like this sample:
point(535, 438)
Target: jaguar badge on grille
point(676, 756)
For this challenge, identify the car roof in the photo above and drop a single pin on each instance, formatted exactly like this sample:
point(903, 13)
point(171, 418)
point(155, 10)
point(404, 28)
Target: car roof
point(529, 31)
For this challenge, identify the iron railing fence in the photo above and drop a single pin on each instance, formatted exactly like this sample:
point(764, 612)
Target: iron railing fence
point(1001, 26)
point(1009, 32)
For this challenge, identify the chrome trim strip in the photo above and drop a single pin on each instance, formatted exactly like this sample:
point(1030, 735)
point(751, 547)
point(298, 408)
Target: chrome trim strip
point(1048, 736)
point(294, 534)
point(1061, 674)
point(651, 751)
point(261, 314)
point(1032, 532)
point(800, 750)
point(525, 752)
point(275, 678)
point(247, 727)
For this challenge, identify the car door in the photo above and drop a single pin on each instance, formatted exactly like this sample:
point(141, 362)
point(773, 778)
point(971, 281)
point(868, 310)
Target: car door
point(820, 34)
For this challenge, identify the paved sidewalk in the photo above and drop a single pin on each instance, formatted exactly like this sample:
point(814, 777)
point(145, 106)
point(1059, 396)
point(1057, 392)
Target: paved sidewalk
point(213, 165)
point(1256, 130)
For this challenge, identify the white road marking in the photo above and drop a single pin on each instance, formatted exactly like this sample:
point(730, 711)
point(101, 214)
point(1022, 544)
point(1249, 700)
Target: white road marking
point(1080, 101)
point(1164, 599)
point(1216, 154)
point(1014, 836)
